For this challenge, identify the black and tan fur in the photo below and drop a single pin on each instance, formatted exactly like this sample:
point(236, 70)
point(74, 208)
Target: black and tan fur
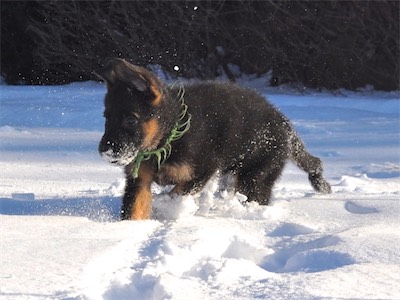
point(233, 130)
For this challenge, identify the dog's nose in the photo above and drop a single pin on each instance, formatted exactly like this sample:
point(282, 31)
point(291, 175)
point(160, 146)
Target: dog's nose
point(105, 145)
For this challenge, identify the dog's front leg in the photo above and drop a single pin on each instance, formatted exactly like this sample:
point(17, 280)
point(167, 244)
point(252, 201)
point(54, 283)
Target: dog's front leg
point(136, 204)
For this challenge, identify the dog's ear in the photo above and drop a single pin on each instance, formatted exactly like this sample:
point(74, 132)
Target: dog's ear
point(134, 76)
point(119, 69)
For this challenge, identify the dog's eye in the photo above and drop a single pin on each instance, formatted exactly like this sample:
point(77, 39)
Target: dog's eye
point(130, 121)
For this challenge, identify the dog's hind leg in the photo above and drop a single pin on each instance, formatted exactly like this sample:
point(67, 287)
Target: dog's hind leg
point(310, 164)
point(257, 183)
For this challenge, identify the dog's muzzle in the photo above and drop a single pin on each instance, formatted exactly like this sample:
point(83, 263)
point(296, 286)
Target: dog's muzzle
point(115, 154)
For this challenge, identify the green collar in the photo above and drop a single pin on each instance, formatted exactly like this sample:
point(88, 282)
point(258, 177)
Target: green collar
point(179, 130)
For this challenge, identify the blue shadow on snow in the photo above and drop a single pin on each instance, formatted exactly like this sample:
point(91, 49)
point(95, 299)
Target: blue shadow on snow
point(96, 209)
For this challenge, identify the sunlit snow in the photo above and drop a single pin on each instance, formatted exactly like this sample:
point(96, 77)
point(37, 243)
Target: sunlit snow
point(59, 203)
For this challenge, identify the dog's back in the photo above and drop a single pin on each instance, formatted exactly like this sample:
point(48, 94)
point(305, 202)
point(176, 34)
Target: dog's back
point(232, 127)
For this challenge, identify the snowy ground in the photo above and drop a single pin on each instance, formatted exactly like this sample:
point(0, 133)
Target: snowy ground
point(59, 204)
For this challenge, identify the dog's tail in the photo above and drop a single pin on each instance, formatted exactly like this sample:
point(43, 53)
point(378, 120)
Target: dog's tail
point(308, 163)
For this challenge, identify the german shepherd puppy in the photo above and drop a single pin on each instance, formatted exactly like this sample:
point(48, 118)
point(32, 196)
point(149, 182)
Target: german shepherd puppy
point(183, 135)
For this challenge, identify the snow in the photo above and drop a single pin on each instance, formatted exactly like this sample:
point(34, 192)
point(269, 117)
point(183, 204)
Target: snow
point(59, 202)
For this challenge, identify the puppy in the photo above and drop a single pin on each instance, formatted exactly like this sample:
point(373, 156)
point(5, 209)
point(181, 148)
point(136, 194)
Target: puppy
point(183, 135)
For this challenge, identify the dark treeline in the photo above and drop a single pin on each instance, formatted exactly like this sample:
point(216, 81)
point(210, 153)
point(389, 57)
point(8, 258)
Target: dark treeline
point(321, 44)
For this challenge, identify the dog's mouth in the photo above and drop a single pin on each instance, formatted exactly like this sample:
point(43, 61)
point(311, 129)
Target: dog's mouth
point(121, 158)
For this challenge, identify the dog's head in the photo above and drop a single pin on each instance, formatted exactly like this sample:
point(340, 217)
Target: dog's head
point(134, 105)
